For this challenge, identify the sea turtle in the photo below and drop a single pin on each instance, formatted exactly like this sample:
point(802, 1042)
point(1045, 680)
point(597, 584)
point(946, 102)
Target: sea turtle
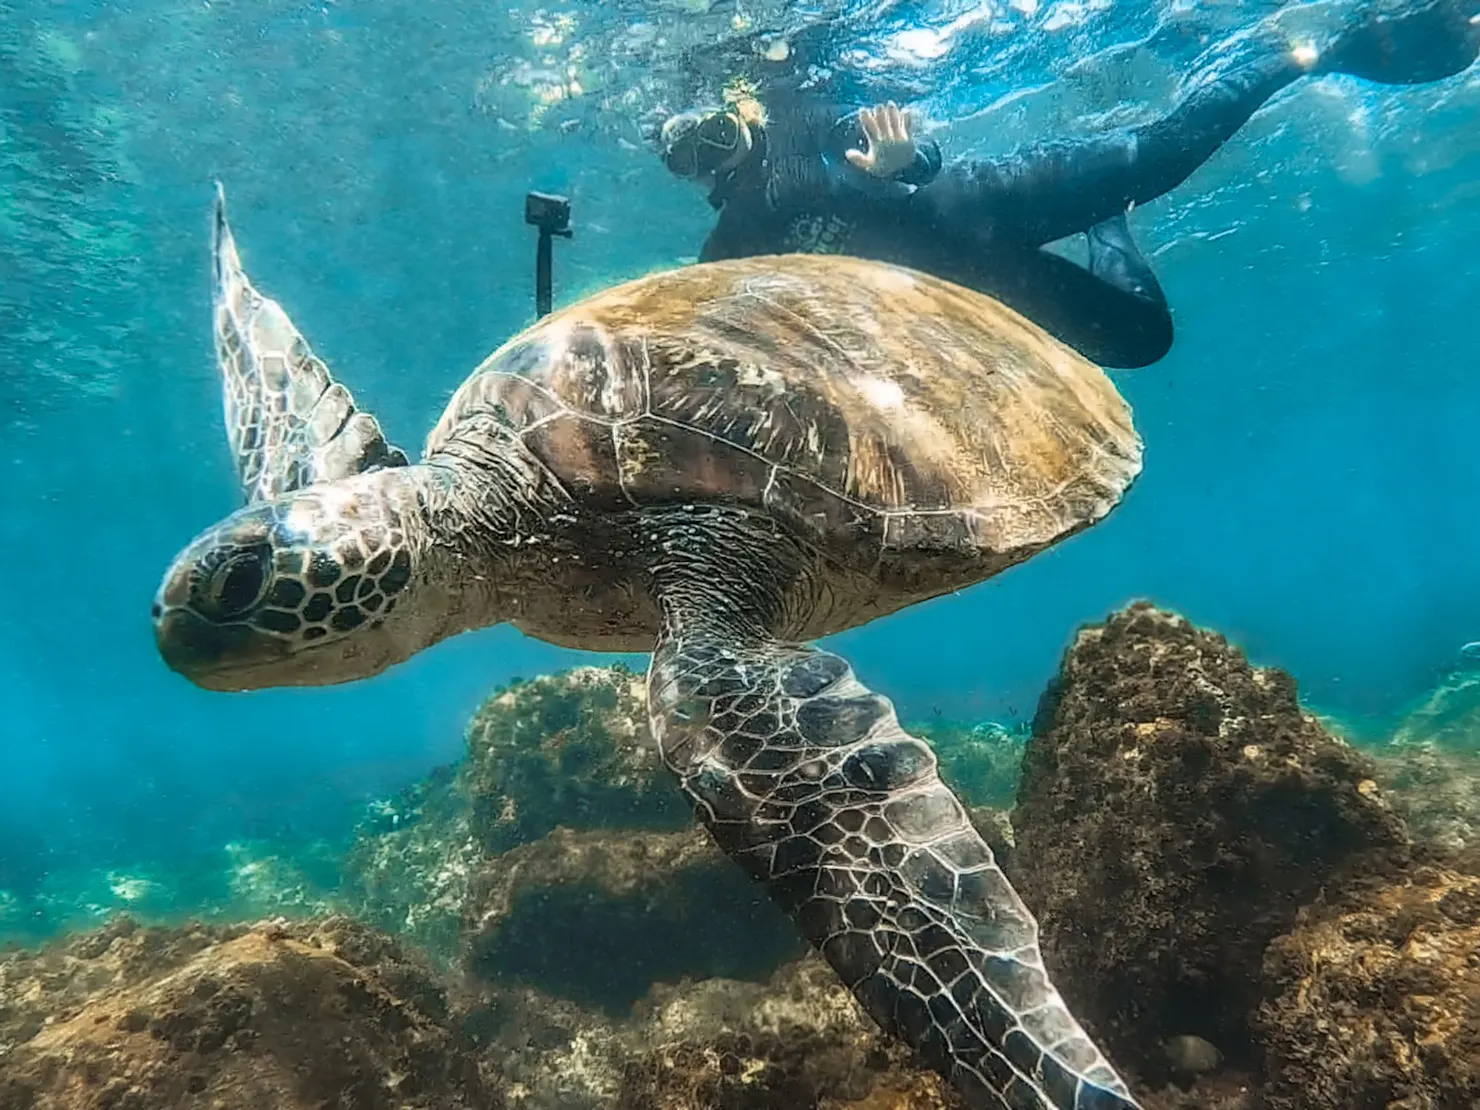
point(719, 463)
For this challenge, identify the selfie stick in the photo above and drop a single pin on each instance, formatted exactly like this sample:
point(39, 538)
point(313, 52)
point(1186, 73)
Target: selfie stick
point(551, 215)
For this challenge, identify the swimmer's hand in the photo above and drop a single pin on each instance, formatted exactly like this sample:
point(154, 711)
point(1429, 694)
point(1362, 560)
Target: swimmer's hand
point(890, 147)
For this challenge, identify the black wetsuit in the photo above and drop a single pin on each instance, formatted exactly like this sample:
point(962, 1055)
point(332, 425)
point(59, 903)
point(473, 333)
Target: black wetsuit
point(983, 223)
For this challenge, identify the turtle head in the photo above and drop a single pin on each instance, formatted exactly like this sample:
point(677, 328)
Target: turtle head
point(308, 589)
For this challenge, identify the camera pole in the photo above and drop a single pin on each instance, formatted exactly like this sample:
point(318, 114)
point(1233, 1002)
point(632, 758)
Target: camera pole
point(550, 215)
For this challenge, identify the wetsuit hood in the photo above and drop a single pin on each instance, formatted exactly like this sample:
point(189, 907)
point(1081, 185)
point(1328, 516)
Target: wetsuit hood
point(727, 182)
point(713, 143)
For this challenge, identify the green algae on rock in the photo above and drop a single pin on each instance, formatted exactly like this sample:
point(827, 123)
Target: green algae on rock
point(241, 881)
point(571, 749)
point(559, 751)
point(1436, 790)
point(553, 913)
point(1177, 810)
point(1448, 716)
point(982, 762)
point(289, 1016)
point(407, 871)
point(1374, 1001)
point(797, 1041)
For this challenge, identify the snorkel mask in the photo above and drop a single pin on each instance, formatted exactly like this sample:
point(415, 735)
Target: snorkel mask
point(700, 144)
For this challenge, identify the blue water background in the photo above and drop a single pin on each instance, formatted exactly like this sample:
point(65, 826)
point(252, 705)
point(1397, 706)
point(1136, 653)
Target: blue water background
point(1311, 441)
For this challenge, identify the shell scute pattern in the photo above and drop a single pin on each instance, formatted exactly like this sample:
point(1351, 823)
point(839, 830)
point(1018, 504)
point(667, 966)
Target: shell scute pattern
point(600, 374)
point(799, 498)
point(747, 399)
point(866, 404)
point(584, 457)
point(659, 461)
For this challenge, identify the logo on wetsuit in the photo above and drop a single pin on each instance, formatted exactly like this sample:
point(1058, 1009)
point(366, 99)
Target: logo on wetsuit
point(819, 234)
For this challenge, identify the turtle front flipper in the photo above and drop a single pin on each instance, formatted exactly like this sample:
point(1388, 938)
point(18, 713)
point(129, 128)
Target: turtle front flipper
point(807, 780)
point(289, 423)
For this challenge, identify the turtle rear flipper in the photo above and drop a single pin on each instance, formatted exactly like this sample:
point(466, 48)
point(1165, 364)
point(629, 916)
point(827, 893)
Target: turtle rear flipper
point(289, 424)
point(806, 779)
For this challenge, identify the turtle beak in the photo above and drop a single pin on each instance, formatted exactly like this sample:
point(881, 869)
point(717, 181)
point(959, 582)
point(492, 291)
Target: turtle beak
point(209, 654)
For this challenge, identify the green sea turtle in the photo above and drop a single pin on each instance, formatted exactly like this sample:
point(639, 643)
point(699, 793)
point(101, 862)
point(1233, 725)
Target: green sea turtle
point(720, 464)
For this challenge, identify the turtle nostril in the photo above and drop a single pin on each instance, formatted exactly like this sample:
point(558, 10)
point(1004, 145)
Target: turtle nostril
point(155, 610)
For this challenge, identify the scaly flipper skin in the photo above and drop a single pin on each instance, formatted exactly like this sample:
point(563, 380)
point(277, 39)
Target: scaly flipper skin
point(806, 779)
point(289, 423)
point(724, 459)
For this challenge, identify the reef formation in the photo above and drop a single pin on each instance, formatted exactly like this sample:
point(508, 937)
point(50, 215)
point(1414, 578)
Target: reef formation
point(1248, 911)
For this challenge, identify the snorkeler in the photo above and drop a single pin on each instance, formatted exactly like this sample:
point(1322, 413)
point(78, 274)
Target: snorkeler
point(799, 174)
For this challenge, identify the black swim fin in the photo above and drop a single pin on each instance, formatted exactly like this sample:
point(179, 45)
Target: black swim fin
point(1404, 42)
point(1115, 259)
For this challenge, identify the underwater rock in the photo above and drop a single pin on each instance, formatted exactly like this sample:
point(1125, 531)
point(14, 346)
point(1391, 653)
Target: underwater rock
point(569, 750)
point(562, 838)
point(981, 762)
point(54, 982)
point(798, 1041)
point(599, 917)
point(1227, 1091)
point(1375, 1003)
point(1448, 716)
point(407, 871)
point(1190, 1055)
point(289, 1016)
point(1177, 810)
point(1437, 792)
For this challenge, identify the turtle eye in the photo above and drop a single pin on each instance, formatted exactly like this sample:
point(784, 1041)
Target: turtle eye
point(237, 584)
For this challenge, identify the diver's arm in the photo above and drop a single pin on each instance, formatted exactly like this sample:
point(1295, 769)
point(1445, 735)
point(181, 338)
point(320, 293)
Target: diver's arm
point(848, 138)
point(799, 179)
point(925, 167)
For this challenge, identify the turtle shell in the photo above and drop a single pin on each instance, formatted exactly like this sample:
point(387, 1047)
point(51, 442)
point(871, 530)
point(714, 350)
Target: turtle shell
point(876, 409)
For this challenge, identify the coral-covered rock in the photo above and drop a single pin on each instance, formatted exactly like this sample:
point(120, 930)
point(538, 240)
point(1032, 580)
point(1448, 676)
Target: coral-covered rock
point(1375, 1004)
point(294, 1017)
point(600, 917)
point(1448, 716)
point(981, 762)
point(54, 982)
point(1436, 791)
point(798, 1042)
point(569, 750)
point(407, 871)
point(1177, 809)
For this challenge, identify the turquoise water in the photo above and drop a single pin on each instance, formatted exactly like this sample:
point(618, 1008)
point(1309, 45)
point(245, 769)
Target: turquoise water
point(1311, 460)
